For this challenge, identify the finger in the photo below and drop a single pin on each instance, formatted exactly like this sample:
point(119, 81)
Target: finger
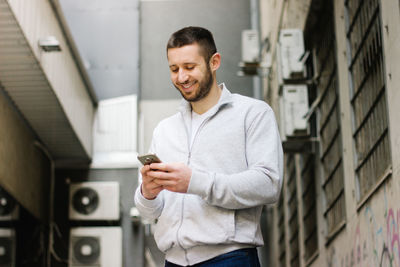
point(144, 170)
point(160, 175)
point(164, 182)
point(147, 178)
point(161, 167)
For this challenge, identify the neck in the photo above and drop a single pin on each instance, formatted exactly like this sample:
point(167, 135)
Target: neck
point(203, 105)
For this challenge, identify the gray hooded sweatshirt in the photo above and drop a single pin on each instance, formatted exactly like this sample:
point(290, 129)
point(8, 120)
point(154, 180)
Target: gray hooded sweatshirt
point(236, 159)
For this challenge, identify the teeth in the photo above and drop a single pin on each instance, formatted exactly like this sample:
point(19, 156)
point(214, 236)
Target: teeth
point(187, 85)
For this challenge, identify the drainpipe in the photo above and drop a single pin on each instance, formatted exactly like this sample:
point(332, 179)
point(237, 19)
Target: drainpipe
point(255, 25)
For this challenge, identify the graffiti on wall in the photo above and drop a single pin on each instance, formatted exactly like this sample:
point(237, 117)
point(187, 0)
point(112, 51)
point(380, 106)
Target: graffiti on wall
point(377, 245)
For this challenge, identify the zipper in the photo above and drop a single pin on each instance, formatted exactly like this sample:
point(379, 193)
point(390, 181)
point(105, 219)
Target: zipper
point(183, 198)
point(188, 163)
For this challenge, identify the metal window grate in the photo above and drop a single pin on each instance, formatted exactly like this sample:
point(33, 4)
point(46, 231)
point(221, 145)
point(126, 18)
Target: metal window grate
point(366, 66)
point(309, 205)
point(281, 232)
point(329, 121)
point(292, 212)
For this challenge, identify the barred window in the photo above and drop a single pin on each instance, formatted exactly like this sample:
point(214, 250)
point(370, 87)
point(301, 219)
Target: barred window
point(292, 212)
point(366, 67)
point(309, 206)
point(328, 120)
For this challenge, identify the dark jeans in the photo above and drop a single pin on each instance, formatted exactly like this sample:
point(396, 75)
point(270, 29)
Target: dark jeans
point(246, 257)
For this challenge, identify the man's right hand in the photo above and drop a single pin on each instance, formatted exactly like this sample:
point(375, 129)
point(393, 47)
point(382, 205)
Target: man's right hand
point(149, 188)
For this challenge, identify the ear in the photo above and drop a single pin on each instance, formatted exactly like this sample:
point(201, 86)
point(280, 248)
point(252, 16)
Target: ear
point(215, 61)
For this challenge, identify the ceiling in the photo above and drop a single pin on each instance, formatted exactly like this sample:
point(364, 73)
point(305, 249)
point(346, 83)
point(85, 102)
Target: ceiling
point(26, 84)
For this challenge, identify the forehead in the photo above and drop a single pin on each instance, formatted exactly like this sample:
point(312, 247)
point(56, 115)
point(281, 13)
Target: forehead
point(185, 54)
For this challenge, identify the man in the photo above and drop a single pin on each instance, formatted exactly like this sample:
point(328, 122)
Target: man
point(221, 162)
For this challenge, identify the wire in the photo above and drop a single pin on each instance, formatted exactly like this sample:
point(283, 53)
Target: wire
point(52, 252)
point(52, 225)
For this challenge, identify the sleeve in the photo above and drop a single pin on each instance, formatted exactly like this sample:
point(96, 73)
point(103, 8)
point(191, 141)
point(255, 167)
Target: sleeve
point(260, 184)
point(149, 209)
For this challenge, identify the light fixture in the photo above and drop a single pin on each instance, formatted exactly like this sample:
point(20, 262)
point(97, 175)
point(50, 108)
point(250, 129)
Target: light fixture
point(49, 44)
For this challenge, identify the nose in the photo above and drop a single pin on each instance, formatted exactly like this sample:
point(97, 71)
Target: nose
point(182, 76)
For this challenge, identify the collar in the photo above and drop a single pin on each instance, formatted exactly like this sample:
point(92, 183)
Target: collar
point(225, 98)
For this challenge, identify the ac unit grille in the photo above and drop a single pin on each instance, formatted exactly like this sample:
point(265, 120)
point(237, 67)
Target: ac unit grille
point(85, 200)
point(86, 250)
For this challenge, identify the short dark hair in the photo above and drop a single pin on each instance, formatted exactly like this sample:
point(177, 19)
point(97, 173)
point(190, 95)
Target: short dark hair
point(191, 35)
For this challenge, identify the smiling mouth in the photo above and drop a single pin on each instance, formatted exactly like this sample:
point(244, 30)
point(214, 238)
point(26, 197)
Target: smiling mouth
point(187, 86)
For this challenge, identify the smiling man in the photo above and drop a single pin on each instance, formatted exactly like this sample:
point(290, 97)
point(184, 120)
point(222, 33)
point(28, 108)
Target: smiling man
point(222, 161)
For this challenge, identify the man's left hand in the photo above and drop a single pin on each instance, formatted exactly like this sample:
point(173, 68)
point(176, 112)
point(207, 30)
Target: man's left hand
point(174, 177)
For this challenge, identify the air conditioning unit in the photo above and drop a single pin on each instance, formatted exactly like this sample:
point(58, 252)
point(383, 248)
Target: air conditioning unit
point(95, 247)
point(250, 46)
point(7, 247)
point(290, 51)
point(9, 209)
point(293, 108)
point(94, 201)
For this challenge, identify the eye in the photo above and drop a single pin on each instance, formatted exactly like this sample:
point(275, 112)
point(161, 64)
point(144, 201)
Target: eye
point(190, 67)
point(173, 70)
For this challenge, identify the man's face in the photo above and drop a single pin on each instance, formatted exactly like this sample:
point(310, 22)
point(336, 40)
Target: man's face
point(190, 74)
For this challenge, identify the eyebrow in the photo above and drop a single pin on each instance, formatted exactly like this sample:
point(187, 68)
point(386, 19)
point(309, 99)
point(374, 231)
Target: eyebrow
point(184, 64)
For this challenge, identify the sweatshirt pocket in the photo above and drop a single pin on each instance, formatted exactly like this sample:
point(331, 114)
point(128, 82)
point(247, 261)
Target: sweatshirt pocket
point(169, 221)
point(165, 231)
point(204, 224)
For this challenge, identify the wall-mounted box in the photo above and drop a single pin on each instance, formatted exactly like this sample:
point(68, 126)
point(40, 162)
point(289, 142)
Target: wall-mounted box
point(95, 246)
point(250, 46)
point(290, 52)
point(293, 108)
point(94, 201)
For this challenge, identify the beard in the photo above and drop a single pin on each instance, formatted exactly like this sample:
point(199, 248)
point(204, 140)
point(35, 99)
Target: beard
point(203, 90)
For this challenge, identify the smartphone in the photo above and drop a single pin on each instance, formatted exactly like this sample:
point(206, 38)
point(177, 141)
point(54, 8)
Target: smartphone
point(148, 159)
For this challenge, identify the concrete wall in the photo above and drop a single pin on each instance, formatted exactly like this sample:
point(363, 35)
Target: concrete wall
point(370, 236)
point(24, 169)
